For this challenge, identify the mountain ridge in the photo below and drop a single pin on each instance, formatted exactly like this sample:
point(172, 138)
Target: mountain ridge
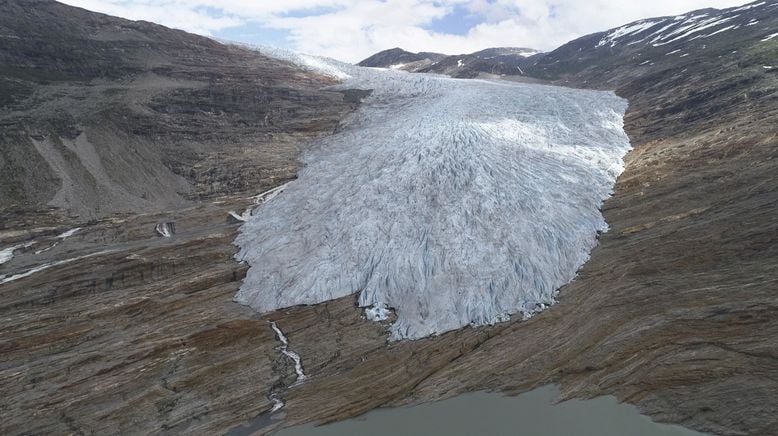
point(753, 20)
point(495, 61)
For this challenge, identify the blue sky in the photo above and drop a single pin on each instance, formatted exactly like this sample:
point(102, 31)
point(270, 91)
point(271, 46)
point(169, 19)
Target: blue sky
point(351, 30)
point(458, 21)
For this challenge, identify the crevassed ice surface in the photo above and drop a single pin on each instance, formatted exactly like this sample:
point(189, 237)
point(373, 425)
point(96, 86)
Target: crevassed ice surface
point(454, 202)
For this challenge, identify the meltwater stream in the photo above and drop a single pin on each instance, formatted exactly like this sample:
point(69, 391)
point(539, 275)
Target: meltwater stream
point(451, 202)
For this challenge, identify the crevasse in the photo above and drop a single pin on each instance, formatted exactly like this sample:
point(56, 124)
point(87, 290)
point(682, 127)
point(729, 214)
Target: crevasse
point(453, 202)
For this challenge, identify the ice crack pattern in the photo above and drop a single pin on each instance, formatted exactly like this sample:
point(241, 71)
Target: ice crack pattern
point(452, 202)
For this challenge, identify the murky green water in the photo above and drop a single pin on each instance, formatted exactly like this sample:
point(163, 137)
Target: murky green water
point(481, 414)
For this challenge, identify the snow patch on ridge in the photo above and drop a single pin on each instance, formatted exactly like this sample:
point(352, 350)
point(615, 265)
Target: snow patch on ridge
point(631, 29)
point(747, 7)
point(769, 37)
point(454, 202)
point(688, 28)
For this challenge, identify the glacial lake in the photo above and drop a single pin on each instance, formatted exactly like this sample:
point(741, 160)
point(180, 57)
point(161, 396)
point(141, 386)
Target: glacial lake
point(532, 414)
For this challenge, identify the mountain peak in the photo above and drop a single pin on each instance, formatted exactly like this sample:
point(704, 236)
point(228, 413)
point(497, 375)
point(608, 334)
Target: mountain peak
point(399, 57)
point(493, 61)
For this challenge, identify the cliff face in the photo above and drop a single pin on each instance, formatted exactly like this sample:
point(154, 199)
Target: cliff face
point(102, 115)
point(675, 311)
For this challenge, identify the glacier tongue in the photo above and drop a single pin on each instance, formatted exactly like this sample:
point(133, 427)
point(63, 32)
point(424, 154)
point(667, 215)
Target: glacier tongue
point(454, 202)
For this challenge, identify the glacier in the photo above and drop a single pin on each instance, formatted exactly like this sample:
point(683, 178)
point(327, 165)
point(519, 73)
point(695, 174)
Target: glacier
point(451, 202)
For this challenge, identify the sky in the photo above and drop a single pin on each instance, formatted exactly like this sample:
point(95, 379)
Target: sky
point(351, 30)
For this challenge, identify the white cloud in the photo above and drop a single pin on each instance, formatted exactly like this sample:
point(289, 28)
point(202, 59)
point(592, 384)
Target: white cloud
point(354, 29)
point(177, 14)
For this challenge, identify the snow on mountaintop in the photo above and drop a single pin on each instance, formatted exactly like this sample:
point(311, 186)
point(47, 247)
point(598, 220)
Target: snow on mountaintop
point(751, 6)
point(612, 37)
point(667, 30)
point(679, 28)
point(506, 51)
point(529, 53)
point(690, 29)
point(640, 51)
point(453, 202)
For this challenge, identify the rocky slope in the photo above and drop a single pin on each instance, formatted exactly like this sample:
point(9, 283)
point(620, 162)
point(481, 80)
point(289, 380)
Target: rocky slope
point(101, 115)
point(676, 310)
